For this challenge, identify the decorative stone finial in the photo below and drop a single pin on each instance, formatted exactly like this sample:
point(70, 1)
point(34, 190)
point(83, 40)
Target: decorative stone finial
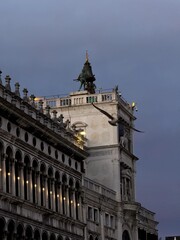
point(41, 105)
point(32, 98)
point(47, 108)
point(0, 77)
point(17, 85)
point(54, 112)
point(25, 97)
point(7, 85)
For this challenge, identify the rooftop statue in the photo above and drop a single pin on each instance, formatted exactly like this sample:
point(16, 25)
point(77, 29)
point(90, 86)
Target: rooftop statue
point(86, 77)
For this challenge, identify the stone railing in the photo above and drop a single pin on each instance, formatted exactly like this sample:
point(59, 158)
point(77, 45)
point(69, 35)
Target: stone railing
point(96, 187)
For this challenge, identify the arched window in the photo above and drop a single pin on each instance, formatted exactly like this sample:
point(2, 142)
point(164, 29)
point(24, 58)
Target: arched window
point(9, 155)
point(60, 238)
point(42, 184)
point(125, 235)
point(91, 237)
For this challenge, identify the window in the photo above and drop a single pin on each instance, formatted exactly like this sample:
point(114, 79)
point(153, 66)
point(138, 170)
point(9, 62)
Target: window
point(96, 217)
point(89, 213)
point(106, 219)
point(112, 221)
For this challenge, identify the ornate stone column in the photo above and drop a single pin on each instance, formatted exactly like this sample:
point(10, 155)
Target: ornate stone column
point(21, 181)
point(4, 172)
point(12, 180)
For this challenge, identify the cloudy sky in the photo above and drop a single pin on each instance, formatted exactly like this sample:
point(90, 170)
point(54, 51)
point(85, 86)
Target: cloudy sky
point(131, 43)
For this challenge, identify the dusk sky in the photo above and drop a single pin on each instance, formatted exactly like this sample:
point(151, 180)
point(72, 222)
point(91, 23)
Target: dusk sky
point(134, 44)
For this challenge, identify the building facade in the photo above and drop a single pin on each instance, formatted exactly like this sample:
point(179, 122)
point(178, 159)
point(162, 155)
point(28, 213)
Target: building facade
point(65, 172)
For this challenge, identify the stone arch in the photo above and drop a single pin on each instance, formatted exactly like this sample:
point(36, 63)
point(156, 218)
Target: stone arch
point(91, 237)
point(43, 182)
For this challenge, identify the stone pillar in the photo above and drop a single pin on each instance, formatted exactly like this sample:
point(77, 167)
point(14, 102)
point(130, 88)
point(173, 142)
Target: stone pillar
point(22, 182)
point(102, 224)
point(74, 205)
point(12, 180)
point(53, 195)
point(60, 200)
point(30, 197)
point(4, 173)
point(67, 201)
point(38, 189)
point(45, 192)
point(119, 225)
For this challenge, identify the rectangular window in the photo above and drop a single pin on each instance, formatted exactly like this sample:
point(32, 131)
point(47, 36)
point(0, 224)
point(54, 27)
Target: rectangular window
point(112, 221)
point(106, 219)
point(96, 215)
point(90, 213)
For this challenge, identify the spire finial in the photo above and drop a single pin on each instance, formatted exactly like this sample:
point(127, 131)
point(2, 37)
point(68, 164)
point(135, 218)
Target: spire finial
point(87, 57)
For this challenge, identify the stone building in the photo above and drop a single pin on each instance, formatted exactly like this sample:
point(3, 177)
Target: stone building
point(65, 172)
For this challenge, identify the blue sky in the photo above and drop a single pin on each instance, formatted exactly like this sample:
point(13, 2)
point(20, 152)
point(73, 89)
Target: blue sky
point(131, 43)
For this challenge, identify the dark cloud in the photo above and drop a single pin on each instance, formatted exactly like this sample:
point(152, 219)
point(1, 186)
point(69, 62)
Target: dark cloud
point(132, 43)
